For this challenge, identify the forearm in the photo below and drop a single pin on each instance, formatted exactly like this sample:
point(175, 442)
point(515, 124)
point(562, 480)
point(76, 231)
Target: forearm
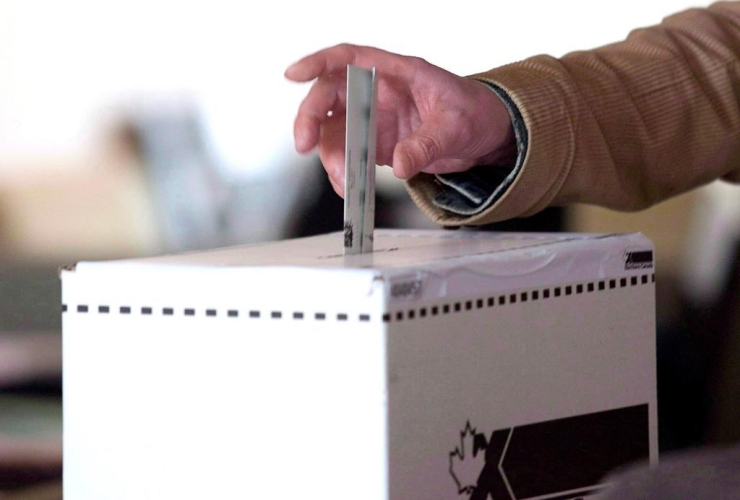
point(625, 125)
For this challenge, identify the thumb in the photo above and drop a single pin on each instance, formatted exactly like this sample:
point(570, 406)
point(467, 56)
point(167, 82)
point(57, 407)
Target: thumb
point(429, 143)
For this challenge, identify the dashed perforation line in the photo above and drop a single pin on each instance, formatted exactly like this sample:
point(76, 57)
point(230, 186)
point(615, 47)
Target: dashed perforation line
point(529, 296)
point(408, 314)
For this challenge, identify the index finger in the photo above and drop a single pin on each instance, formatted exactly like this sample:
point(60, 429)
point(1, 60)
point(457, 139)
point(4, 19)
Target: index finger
point(335, 59)
point(323, 62)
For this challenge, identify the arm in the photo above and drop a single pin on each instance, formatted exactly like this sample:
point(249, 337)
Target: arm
point(623, 126)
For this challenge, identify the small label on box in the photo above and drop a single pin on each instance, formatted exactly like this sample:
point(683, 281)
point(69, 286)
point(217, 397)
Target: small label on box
point(638, 260)
point(406, 289)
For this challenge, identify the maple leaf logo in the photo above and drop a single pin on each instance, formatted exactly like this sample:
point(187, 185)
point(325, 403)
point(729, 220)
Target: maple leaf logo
point(467, 460)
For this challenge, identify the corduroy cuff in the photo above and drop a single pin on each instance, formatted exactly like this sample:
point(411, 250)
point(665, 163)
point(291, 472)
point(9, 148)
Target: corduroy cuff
point(542, 105)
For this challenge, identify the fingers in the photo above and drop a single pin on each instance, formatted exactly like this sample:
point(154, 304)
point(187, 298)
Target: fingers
point(335, 59)
point(338, 188)
point(432, 141)
point(323, 62)
point(448, 165)
point(327, 94)
point(331, 150)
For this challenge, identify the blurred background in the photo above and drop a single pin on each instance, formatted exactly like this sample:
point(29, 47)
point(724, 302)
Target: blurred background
point(143, 127)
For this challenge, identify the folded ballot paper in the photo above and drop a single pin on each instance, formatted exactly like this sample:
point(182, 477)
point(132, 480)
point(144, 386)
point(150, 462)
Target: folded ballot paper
point(359, 161)
point(442, 365)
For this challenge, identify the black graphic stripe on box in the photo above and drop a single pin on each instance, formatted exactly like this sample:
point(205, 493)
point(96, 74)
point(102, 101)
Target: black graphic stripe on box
point(564, 458)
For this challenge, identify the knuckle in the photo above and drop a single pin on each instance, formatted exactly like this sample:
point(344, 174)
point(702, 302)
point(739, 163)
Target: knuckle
point(346, 49)
point(418, 62)
point(340, 48)
point(428, 147)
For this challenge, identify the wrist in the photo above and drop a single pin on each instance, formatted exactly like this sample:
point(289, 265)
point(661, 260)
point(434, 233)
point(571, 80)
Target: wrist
point(470, 194)
point(500, 127)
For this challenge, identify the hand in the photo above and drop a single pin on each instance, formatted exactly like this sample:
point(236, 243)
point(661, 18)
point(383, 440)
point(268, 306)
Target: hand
point(428, 119)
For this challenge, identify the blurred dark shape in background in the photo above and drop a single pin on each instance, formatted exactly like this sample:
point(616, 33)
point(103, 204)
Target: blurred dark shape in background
point(699, 367)
point(30, 382)
point(200, 204)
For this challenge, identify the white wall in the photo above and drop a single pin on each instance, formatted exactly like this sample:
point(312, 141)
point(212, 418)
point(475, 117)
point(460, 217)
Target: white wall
point(67, 68)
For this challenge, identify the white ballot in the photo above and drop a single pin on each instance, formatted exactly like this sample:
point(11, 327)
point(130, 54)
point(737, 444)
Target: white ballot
point(444, 365)
point(359, 154)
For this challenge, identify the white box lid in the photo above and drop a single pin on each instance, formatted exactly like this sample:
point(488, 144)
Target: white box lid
point(446, 263)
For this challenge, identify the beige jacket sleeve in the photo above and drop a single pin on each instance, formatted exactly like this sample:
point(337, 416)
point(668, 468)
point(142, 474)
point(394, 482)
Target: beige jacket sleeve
point(623, 126)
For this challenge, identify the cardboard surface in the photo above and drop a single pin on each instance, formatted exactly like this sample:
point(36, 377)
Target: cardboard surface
point(246, 371)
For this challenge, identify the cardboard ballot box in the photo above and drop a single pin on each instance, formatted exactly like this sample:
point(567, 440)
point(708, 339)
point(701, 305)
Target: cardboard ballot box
point(444, 365)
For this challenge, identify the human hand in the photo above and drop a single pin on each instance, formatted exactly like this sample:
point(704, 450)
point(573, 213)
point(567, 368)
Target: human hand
point(429, 120)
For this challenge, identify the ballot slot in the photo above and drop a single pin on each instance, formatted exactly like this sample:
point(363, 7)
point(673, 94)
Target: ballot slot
point(359, 174)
